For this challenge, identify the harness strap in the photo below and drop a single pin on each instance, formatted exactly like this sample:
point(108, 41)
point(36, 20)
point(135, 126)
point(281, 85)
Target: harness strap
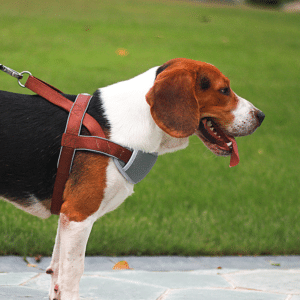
point(67, 151)
point(96, 144)
point(53, 95)
point(71, 139)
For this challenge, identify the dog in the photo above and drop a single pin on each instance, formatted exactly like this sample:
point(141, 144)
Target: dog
point(156, 111)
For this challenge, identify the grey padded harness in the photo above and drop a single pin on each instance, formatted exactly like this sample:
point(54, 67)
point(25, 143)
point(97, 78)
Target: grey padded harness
point(138, 166)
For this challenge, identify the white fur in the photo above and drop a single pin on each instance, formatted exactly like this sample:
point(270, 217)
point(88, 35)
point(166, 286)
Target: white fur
point(245, 122)
point(129, 114)
point(33, 206)
point(68, 257)
point(117, 190)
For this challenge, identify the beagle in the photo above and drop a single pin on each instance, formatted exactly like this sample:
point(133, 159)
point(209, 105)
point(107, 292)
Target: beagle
point(155, 112)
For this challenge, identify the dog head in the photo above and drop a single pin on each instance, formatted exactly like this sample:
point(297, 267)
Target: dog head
point(191, 97)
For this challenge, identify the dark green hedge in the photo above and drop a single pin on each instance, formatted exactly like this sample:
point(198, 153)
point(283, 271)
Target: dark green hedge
point(270, 3)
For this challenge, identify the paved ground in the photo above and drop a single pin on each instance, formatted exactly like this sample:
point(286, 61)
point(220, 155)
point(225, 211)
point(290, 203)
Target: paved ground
point(163, 278)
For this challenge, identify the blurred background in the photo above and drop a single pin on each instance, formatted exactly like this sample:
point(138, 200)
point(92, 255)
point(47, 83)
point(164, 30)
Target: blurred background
point(191, 203)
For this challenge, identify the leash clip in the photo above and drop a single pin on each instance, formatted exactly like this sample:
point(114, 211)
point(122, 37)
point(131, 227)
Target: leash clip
point(11, 72)
point(14, 73)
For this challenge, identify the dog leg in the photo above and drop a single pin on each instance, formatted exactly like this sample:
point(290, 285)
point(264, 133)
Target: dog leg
point(53, 269)
point(73, 238)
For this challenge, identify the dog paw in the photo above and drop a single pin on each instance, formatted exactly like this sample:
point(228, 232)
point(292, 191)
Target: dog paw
point(49, 271)
point(55, 293)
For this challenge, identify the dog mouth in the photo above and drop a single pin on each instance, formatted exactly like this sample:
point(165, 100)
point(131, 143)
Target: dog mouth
point(217, 141)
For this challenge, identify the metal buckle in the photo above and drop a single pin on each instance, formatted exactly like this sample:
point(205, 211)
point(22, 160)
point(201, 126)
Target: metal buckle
point(14, 73)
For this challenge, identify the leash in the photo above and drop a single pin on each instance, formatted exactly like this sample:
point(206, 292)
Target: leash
point(134, 165)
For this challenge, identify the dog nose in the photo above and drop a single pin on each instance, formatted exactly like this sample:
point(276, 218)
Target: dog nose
point(260, 116)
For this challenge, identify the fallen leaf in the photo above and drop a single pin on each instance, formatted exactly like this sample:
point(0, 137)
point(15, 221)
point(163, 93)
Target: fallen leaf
point(121, 265)
point(122, 52)
point(31, 265)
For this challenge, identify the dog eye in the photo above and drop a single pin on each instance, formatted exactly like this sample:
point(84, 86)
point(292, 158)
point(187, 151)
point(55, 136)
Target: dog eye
point(225, 91)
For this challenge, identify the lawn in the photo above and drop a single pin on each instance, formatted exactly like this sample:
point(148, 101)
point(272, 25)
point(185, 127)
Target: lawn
point(191, 203)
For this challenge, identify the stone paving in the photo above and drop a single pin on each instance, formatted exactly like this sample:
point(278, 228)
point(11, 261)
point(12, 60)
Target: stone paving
point(163, 278)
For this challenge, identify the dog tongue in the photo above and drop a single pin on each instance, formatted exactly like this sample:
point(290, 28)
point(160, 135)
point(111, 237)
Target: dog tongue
point(235, 159)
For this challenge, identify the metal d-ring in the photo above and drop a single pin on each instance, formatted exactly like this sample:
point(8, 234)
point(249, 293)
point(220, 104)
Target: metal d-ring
point(24, 72)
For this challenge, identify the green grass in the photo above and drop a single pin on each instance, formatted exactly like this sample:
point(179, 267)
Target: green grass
point(191, 203)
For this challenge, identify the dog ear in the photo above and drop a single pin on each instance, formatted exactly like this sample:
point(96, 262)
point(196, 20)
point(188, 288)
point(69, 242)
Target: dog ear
point(173, 105)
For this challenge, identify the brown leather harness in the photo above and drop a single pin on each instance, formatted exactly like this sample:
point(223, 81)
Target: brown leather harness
point(71, 139)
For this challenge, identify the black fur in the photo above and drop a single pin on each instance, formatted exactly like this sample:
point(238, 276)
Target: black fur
point(205, 82)
point(30, 133)
point(161, 69)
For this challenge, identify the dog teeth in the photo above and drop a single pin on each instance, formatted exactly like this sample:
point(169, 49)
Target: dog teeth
point(229, 144)
point(209, 124)
point(211, 127)
point(214, 131)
